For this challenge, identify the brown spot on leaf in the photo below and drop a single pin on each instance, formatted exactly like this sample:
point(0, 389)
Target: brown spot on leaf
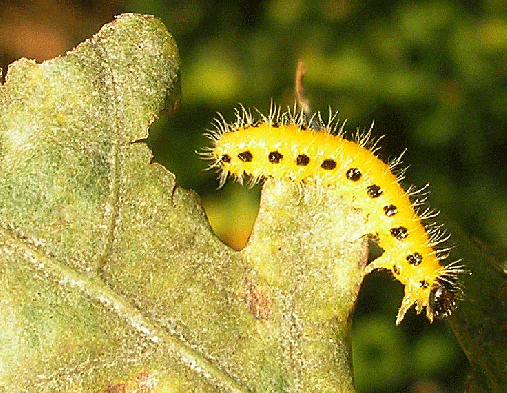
point(144, 382)
point(118, 388)
point(257, 301)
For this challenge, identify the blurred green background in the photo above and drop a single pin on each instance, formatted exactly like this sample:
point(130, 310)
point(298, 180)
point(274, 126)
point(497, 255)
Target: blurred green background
point(431, 74)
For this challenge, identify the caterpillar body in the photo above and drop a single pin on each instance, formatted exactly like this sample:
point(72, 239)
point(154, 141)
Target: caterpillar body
point(289, 145)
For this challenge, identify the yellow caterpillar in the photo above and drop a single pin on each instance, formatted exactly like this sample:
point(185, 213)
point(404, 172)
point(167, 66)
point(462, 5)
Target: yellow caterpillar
point(290, 146)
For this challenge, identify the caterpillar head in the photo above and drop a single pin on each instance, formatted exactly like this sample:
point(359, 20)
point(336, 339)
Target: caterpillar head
point(442, 299)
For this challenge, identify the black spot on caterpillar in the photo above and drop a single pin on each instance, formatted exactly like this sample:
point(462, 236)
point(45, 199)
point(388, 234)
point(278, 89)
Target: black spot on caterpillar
point(285, 146)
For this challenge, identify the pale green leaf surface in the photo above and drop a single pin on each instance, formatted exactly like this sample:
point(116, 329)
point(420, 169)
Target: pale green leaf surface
point(111, 278)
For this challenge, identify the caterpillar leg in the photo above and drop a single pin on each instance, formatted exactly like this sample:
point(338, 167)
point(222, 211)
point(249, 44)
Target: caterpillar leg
point(414, 294)
point(406, 303)
point(418, 297)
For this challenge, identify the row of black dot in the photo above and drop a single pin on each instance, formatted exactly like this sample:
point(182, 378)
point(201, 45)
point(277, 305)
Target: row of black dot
point(400, 233)
point(353, 174)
